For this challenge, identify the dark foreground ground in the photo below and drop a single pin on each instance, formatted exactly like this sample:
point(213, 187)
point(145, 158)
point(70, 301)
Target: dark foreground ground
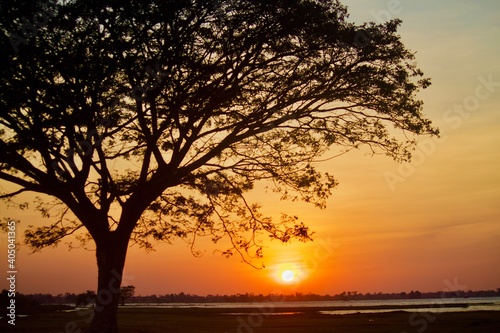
point(187, 320)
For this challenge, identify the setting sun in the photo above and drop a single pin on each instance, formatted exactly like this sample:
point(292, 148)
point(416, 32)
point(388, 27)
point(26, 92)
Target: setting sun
point(287, 275)
point(289, 269)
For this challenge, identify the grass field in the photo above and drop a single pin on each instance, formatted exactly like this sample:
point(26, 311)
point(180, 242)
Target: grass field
point(190, 320)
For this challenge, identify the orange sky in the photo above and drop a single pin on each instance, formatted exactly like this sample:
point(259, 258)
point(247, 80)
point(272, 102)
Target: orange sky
point(388, 227)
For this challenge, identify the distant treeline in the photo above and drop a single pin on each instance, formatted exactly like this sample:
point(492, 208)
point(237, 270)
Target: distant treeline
point(300, 297)
point(71, 298)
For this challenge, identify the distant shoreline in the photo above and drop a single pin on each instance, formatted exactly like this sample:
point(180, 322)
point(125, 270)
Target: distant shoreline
point(439, 305)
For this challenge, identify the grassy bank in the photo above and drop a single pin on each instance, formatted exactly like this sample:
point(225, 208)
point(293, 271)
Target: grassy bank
point(309, 320)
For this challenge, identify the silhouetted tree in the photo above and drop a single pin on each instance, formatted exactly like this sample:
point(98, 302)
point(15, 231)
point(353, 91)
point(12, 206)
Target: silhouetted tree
point(87, 298)
point(126, 292)
point(70, 298)
point(149, 120)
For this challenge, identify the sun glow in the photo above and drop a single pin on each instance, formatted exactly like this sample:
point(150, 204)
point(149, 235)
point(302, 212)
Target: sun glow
point(287, 275)
point(290, 266)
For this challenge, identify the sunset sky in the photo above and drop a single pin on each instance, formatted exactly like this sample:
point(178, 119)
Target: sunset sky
point(388, 227)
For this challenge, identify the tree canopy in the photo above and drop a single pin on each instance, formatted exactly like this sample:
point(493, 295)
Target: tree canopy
point(149, 120)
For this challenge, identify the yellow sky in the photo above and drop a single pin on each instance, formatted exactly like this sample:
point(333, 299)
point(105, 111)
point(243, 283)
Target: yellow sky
point(388, 227)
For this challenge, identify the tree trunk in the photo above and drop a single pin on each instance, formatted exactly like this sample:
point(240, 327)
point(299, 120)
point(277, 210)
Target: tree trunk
point(110, 253)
